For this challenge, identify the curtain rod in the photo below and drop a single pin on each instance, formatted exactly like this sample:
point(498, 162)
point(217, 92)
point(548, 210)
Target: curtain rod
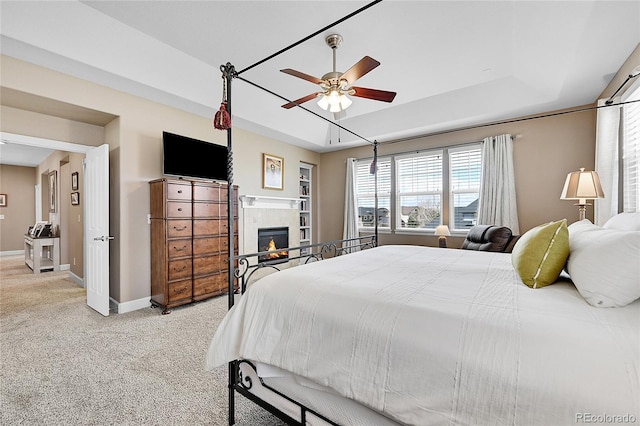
point(310, 36)
point(509, 121)
point(418, 151)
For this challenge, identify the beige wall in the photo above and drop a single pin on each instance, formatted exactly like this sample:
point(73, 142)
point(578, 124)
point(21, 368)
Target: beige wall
point(19, 184)
point(545, 150)
point(135, 143)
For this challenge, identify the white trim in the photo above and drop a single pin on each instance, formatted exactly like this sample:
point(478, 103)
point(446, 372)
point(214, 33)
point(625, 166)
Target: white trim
point(65, 267)
point(76, 279)
point(11, 253)
point(133, 305)
point(263, 202)
point(44, 143)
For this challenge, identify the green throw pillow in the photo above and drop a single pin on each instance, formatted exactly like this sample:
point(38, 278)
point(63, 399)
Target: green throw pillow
point(541, 253)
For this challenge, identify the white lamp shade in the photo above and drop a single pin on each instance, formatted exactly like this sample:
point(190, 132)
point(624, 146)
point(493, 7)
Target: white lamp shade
point(442, 230)
point(334, 101)
point(323, 102)
point(582, 185)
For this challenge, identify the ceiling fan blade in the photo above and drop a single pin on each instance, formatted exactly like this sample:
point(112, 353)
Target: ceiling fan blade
point(362, 67)
point(302, 75)
point(301, 100)
point(375, 94)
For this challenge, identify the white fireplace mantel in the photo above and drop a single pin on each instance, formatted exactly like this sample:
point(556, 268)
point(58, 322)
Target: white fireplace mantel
point(264, 202)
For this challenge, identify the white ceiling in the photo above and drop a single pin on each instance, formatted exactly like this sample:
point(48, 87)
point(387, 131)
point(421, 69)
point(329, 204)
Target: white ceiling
point(453, 63)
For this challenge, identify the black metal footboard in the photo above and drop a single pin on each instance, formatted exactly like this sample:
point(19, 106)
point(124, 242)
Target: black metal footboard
point(245, 268)
point(247, 265)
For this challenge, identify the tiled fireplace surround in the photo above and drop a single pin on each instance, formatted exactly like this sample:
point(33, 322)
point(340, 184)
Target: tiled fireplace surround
point(267, 212)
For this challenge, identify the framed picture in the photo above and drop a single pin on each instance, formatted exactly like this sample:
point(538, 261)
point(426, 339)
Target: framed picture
point(53, 183)
point(3, 200)
point(36, 229)
point(75, 198)
point(74, 181)
point(272, 172)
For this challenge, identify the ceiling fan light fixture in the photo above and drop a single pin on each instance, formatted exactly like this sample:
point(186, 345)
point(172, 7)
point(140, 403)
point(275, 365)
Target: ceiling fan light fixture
point(345, 102)
point(334, 101)
point(323, 102)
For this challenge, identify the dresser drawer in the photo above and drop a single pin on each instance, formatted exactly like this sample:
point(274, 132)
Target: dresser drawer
point(179, 248)
point(211, 284)
point(180, 290)
point(178, 228)
point(201, 209)
point(205, 265)
point(209, 227)
point(209, 192)
point(179, 269)
point(178, 209)
point(177, 191)
point(207, 245)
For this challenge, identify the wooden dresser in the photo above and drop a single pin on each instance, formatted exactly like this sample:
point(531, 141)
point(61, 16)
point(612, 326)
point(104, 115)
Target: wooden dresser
point(189, 241)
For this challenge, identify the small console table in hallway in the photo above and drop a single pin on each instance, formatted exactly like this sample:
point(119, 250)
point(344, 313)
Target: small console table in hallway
point(41, 254)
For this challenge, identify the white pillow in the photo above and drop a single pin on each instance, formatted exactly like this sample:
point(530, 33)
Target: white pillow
point(604, 264)
point(624, 222)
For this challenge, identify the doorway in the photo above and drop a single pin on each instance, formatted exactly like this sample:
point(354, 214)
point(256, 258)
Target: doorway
point(95, 277)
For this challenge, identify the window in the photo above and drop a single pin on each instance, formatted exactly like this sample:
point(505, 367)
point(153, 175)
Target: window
point(631, 154)
point(426, 187)
point(465, 170)
point(365, 194)
point(419, 191)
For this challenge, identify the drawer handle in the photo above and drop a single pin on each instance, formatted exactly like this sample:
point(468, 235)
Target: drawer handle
point(179, 191)
point(181, 229)
point(180, 249)
point(179, 270)
point(179, 290)
point(179, 209)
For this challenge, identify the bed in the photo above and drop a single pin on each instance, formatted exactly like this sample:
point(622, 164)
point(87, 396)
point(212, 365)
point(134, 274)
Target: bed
point(428, 336)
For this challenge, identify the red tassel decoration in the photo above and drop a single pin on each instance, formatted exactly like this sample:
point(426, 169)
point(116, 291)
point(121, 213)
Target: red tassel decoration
point(222, 119)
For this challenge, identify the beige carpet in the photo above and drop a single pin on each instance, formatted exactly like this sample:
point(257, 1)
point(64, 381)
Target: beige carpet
point(64, 364)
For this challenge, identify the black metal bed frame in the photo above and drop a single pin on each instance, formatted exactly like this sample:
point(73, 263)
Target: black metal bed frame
point(245, 267)
point(243, 272)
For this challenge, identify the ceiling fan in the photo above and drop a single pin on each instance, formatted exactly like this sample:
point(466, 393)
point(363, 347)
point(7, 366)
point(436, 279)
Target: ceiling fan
point(336, 87)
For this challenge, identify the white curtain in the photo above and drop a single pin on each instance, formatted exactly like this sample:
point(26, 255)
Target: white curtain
point(607, 160)
point(497, 186)
point(350, 228)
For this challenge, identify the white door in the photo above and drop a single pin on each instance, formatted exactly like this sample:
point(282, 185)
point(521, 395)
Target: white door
point(96, 228)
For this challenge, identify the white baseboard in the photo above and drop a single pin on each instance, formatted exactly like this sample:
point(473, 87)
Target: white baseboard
point(65, 267)
point(133, 305)
point(12, 253)
point(76, 279)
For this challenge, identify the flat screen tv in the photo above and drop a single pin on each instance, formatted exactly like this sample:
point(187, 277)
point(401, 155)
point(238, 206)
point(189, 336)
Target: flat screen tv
point(192, 158)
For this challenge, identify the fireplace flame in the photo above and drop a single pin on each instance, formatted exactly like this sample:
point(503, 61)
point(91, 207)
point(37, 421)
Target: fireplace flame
point(277, 254)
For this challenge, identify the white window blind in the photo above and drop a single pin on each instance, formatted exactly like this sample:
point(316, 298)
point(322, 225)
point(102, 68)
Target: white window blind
point(419, 191)
point(465, 170)
point(365, 193)
point(631, 154)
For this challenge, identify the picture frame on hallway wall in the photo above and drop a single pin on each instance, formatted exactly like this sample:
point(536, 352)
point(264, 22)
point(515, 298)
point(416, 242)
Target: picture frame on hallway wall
point(75, 198)
point(53, 184)
point(272, 172)
point(3, 200)
point(74, 181)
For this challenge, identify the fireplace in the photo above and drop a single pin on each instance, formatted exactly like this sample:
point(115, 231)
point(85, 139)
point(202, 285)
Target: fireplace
point(273, 239)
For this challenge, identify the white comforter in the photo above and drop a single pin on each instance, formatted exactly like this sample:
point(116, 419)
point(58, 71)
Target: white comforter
point(436, 336)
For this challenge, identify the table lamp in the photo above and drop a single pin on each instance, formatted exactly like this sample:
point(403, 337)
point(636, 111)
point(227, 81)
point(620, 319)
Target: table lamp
point(582, 186)
point(442, 231)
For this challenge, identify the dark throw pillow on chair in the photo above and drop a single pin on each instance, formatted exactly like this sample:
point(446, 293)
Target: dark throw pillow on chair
point(488, 238)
